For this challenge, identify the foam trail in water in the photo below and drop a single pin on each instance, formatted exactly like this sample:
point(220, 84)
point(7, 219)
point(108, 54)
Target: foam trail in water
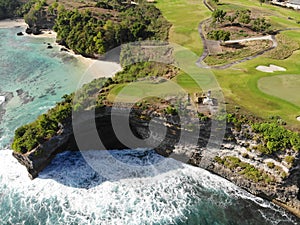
point(70, 192)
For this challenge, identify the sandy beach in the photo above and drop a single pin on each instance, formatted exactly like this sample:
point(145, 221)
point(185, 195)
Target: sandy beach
point(9, 23)
point(95, 68)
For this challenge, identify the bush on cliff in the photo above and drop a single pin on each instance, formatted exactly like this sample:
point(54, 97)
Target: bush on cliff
point(276, 138)
point(46, 126)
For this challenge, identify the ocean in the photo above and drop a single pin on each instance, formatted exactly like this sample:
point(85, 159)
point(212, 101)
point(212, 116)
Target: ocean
point(155, 190)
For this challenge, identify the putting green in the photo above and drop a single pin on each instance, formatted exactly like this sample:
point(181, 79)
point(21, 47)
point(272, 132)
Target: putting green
point(286, 87)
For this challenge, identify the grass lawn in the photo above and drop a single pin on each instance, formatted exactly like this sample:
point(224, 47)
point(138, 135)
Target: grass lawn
point(286, 87)
point(240, 86)
point(136, 91)
point(185, 15)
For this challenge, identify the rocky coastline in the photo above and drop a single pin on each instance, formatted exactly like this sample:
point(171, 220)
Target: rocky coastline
point(285, 192)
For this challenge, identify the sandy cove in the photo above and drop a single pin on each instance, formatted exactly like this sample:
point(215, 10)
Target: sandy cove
point(95, 68)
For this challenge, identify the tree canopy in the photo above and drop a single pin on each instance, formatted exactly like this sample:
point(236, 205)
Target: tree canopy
point(91, 35)
point(8, 8)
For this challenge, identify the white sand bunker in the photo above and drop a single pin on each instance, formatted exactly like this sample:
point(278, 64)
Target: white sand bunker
point(270, 69)
point(298, 118)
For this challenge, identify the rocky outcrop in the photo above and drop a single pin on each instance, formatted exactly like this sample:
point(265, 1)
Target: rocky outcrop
point(80, 134)
point(44, 21)
point(37, 159)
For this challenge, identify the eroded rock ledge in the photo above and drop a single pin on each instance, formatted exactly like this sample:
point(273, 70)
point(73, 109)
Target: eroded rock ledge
point(192, 150)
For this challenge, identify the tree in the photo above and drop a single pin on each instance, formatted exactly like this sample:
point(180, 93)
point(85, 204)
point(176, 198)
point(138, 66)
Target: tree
point(244, 16)
point(219, 35)
point(218, 15)
point(8, 8)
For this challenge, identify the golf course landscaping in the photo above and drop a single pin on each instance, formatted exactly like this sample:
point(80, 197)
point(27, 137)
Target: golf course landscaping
point(254, 92)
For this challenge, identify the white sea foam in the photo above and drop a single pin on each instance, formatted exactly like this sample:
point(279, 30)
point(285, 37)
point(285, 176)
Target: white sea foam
point(69, 191)
point(2, 99)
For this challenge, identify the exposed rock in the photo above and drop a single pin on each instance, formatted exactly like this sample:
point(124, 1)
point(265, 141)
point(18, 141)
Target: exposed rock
point(33, 30)
point(20, 34)
point(37, 159)
point(45, 21)
point(64, 50)
point(24, 96)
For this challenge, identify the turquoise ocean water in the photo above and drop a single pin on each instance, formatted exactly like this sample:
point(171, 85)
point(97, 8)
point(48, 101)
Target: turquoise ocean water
point(69, 191)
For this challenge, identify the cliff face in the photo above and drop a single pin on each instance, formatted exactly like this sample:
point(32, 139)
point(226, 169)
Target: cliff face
point(167, 133)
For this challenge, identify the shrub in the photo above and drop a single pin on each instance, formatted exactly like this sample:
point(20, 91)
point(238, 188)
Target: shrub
point(271, 165)
point(219, 35)
point(276, 138)
point(289, 159)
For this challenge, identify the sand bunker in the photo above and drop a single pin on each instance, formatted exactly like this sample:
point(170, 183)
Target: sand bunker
point(298, 118)
point(270, 69)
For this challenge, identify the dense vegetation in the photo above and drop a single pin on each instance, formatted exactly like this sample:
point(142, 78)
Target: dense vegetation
point(46, 126)
point(92, 34)
point(276, 138)
point(8, 8)
point(218, 35)
point(31, 9)
point(241, 18)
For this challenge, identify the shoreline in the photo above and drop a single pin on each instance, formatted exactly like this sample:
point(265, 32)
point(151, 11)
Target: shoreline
point(95, 68)
point(10, 23)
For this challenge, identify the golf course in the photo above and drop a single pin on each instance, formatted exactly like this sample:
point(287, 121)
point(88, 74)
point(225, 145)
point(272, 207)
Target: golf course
point(254, 92)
